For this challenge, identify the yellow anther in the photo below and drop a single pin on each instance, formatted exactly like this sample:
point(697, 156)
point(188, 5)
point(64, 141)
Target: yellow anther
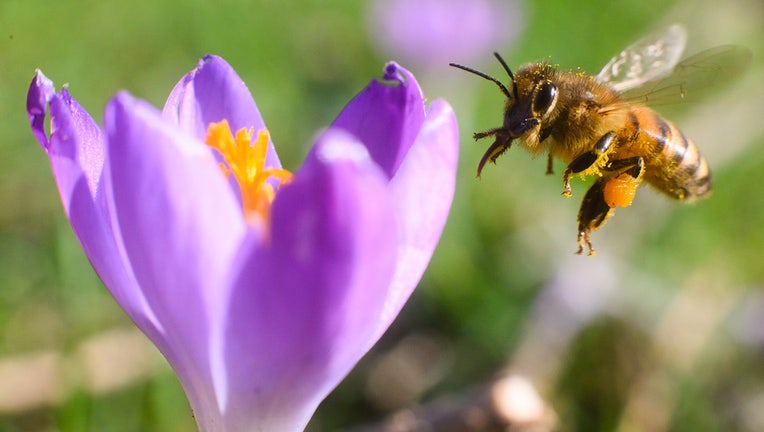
point(245, 160)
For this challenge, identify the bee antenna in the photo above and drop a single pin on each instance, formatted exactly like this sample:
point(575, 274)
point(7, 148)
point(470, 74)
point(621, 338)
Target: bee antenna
point(509, 72)
point(489, 78)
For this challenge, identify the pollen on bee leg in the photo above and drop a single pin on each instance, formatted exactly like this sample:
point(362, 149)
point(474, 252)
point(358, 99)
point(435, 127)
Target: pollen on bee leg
point(620, 191)
point(245, 160)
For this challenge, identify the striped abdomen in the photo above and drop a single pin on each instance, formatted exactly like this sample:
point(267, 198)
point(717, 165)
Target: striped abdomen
point(673, 163)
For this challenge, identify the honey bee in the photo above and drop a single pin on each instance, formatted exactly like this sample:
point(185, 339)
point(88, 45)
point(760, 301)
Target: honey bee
point(601, 126)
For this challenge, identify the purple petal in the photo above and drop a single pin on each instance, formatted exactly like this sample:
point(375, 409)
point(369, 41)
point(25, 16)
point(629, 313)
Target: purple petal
point(386, 116)
point(76, 151)
point(210, 93)
point(305, 305)
point(75, 135)
point(422, 189)
point(180, 225)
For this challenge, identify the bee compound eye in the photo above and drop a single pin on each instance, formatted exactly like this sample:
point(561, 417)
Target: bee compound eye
point(546, 96)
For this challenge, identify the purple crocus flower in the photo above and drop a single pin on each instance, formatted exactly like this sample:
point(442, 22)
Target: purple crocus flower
point(261, 288)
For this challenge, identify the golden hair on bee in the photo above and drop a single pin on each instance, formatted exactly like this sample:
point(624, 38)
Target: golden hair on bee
point(598, 125)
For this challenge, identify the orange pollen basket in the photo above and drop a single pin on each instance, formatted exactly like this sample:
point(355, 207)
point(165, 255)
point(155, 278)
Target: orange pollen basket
point(245, 160)
point(620, 191)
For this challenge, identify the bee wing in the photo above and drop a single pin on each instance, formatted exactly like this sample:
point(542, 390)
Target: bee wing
point(694, 76)
point(648, 59)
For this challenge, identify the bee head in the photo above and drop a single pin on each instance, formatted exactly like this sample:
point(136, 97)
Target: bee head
point(525, 108)
point(533, 99)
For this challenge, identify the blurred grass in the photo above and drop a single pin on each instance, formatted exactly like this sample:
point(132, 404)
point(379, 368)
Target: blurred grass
point(507, 239)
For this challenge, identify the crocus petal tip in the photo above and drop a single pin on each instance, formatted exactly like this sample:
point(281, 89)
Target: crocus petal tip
point(440, 113)
point(391, 68)
point(121, 99)
point(338, 145)
point(395, 72)
point(210, 58)
point(40, 77)
point(41, 91)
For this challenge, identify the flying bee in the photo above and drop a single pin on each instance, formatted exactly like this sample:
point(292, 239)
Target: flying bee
point(601, 126)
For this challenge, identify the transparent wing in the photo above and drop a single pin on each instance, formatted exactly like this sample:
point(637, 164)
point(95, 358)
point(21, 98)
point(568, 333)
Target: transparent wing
point(648, 59)
point(694, 76)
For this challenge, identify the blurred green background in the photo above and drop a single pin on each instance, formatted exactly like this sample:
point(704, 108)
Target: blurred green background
point(663, 330)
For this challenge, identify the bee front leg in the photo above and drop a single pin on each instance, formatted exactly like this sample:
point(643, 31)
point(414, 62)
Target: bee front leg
point(587, 160)
point(490, 132)
point(592, 215)
point(543, 135)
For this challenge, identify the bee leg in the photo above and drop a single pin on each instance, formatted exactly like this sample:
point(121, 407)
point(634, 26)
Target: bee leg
point(592, 215)
point(632, 166)
point(587, 160)
point(595, 209)
point(490, 132)
point(584, 237)
point(549, 165)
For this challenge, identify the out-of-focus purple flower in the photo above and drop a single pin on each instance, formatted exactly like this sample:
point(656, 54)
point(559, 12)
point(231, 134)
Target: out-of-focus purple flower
point(432, 33)
point(261, 289)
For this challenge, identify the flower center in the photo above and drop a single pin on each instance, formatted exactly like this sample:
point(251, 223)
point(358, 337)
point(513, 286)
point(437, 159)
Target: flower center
point(245, 160)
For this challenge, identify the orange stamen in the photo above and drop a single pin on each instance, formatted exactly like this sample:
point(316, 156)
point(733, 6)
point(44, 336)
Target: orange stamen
point(245, 160)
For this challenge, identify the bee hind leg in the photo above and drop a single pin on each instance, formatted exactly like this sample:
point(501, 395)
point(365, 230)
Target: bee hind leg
point(625, 175)
point(592, 215)
point(632, 166)
point(599, 202)
point(587, 160)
